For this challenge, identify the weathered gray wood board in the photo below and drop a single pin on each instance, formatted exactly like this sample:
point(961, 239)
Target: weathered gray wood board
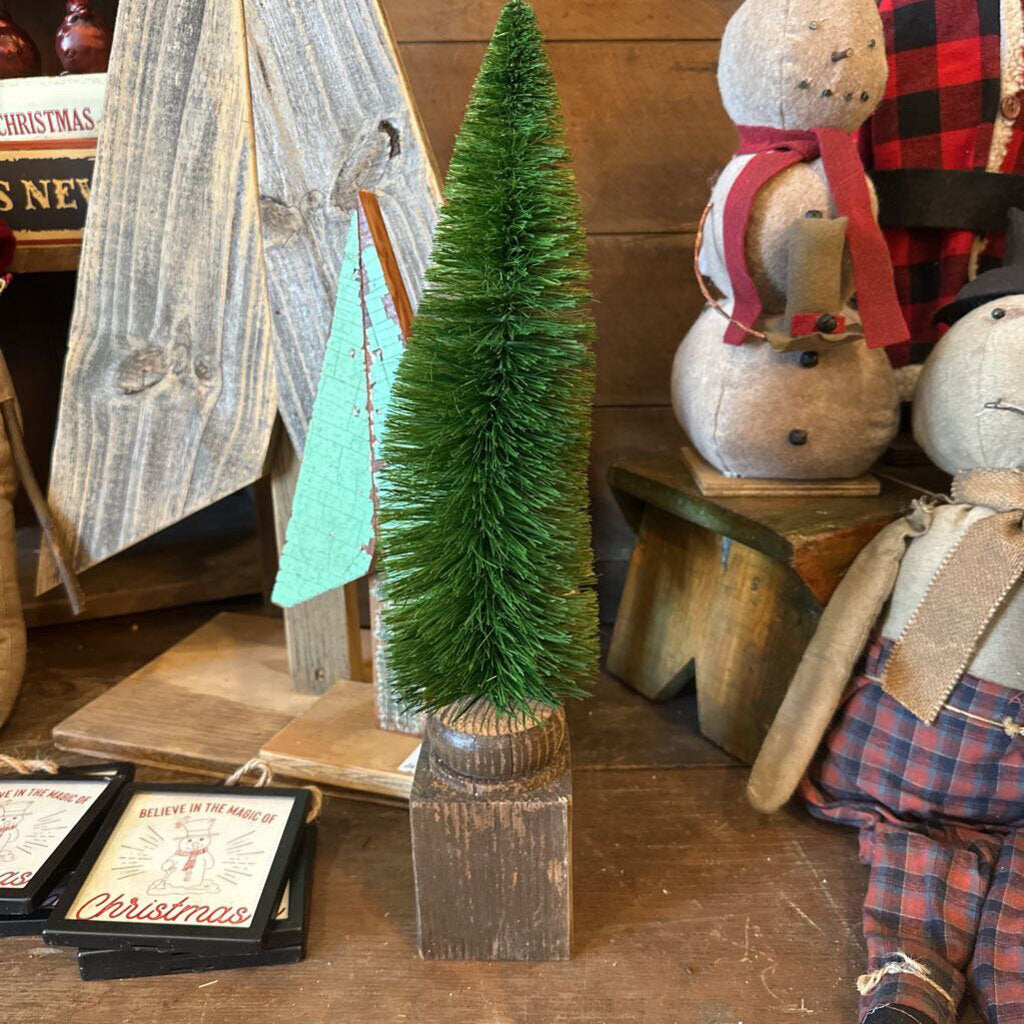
point(170, 393)
point(332, 114)
point(169, 397)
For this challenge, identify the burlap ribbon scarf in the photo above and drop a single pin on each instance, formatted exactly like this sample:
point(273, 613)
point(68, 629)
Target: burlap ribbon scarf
point(971, 585)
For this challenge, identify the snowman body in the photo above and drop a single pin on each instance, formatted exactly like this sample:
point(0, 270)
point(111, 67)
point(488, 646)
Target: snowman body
point(187, 868)
point(190, 868)
point(751, 411)
point(754, 412)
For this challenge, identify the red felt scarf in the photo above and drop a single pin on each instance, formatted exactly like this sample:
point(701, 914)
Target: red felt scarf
point(773, 151)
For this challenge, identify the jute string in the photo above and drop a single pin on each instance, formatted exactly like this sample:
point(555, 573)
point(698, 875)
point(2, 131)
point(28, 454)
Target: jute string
point(29, 767)
point(265, 776)
point(963, 597)
point(903, 964)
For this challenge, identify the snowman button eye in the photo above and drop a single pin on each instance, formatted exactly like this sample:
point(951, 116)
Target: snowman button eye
point(872, 43)
point(813, 26)
point(998, 313)
point(826, 93)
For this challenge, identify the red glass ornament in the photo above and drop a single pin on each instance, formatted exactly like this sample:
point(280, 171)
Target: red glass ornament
point(83, 39)
point(19, 56)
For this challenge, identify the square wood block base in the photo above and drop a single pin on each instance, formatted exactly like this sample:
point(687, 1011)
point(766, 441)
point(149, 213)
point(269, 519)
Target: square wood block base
point(516, 903)
point(223, 696)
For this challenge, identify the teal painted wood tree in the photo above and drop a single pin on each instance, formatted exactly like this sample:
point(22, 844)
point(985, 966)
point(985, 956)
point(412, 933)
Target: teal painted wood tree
point(485, 531)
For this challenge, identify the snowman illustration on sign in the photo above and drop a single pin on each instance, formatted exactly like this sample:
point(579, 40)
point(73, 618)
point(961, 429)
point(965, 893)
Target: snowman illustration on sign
point(783, 378)
point(188, 869)
point(11, 817)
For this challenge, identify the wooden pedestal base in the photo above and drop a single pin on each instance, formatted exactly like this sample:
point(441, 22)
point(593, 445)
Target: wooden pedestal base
point(717, 485)
point(491, 817)
point(225, 695)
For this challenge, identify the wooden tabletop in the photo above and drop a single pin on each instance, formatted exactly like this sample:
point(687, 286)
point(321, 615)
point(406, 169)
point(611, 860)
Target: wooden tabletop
point(689, 906)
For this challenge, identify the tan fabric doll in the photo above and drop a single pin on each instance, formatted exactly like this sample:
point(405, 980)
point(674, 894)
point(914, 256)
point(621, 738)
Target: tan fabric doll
point(918, 666)
point(797, 80)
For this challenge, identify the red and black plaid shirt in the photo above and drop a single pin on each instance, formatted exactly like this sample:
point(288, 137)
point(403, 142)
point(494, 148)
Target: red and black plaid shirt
point(939, 110)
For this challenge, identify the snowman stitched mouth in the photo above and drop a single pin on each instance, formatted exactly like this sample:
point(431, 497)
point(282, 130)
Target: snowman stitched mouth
point(1000, 406)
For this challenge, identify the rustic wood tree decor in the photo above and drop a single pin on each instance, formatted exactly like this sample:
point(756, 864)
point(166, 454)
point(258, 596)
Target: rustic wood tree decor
point(490, 611)
point(235, 138)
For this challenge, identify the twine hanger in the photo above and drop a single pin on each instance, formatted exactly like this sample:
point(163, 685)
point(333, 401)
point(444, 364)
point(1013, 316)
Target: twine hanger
point(265, 776)
point(28, 767)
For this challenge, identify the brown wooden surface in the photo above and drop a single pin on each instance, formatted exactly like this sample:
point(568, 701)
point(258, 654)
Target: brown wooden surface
point(337, 742)
point(690, 908)
point(643, 154)
point(714, 484)
point(579, 20)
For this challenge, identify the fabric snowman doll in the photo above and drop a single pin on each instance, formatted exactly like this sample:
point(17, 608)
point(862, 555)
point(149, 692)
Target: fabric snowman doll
point(782, 379)
point(926, 753)
point(11, 817)
point(187, 868)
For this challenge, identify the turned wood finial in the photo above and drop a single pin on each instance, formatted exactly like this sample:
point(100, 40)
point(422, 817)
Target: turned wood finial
point(83, 39)
point(484, 747)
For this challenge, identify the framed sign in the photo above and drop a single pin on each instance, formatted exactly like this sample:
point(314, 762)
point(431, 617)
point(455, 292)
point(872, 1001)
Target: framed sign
point(48, 129)
point(184, 868)
point(45, 823)
point(284, 943)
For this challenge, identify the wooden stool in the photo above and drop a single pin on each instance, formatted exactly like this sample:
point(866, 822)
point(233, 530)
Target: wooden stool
point(729, 590)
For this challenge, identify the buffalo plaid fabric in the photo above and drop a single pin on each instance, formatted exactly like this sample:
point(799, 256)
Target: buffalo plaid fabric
point(940, 810)
point(938, 112)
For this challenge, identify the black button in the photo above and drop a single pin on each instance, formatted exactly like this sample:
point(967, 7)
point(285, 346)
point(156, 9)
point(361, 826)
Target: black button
point(827, 324)
point(814, 215)
point(797, 437)
point(808, 360)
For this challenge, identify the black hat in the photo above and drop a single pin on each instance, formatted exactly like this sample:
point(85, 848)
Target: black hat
point(993, 284)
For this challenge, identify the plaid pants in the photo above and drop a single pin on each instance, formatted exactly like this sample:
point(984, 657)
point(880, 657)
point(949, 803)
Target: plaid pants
point(941, 816)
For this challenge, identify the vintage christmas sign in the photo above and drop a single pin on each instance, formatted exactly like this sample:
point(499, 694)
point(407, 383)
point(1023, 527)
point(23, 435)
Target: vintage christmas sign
point(48, 130)
point(284, 943)
point(184, 869)
point(45, 822)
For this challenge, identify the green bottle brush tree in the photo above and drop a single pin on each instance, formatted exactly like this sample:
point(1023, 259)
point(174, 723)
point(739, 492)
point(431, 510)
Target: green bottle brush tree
point(485, 530)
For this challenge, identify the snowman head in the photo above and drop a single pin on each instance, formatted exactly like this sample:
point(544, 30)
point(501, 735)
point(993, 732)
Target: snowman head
point(803, 64)
point(197, 833)
point(969, 400)
point(12, 814)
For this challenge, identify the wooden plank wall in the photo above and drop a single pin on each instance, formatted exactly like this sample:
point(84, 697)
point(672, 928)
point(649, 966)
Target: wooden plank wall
point(646, 125)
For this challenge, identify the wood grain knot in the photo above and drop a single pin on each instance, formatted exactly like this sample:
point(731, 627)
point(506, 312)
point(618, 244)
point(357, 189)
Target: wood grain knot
point(141, 370)
point(480, 745)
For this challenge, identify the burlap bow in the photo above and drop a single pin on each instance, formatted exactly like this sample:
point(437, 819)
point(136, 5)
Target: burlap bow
point(970, 586)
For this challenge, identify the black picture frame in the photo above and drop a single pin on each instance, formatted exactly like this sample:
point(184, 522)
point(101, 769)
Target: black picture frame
point(285, 941)
point(61, 930)
point(25, 901)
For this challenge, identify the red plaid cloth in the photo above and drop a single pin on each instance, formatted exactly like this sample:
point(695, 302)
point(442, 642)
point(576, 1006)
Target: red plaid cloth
point(941, 816)
point(938, 112)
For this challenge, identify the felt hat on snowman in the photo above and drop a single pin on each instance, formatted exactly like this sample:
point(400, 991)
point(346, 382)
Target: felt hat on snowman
point(196, 826)
point(992, 284)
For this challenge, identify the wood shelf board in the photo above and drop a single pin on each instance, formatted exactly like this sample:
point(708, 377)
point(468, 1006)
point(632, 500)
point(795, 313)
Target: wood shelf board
point(337, 743)
point(208, 704)
point(714, 484)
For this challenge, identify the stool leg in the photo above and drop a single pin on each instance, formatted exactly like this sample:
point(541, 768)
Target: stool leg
point(758, 622)
point(668, 588)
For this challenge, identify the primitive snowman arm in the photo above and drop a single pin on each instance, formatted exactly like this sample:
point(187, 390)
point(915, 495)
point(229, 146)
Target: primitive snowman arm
point(829, 661)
